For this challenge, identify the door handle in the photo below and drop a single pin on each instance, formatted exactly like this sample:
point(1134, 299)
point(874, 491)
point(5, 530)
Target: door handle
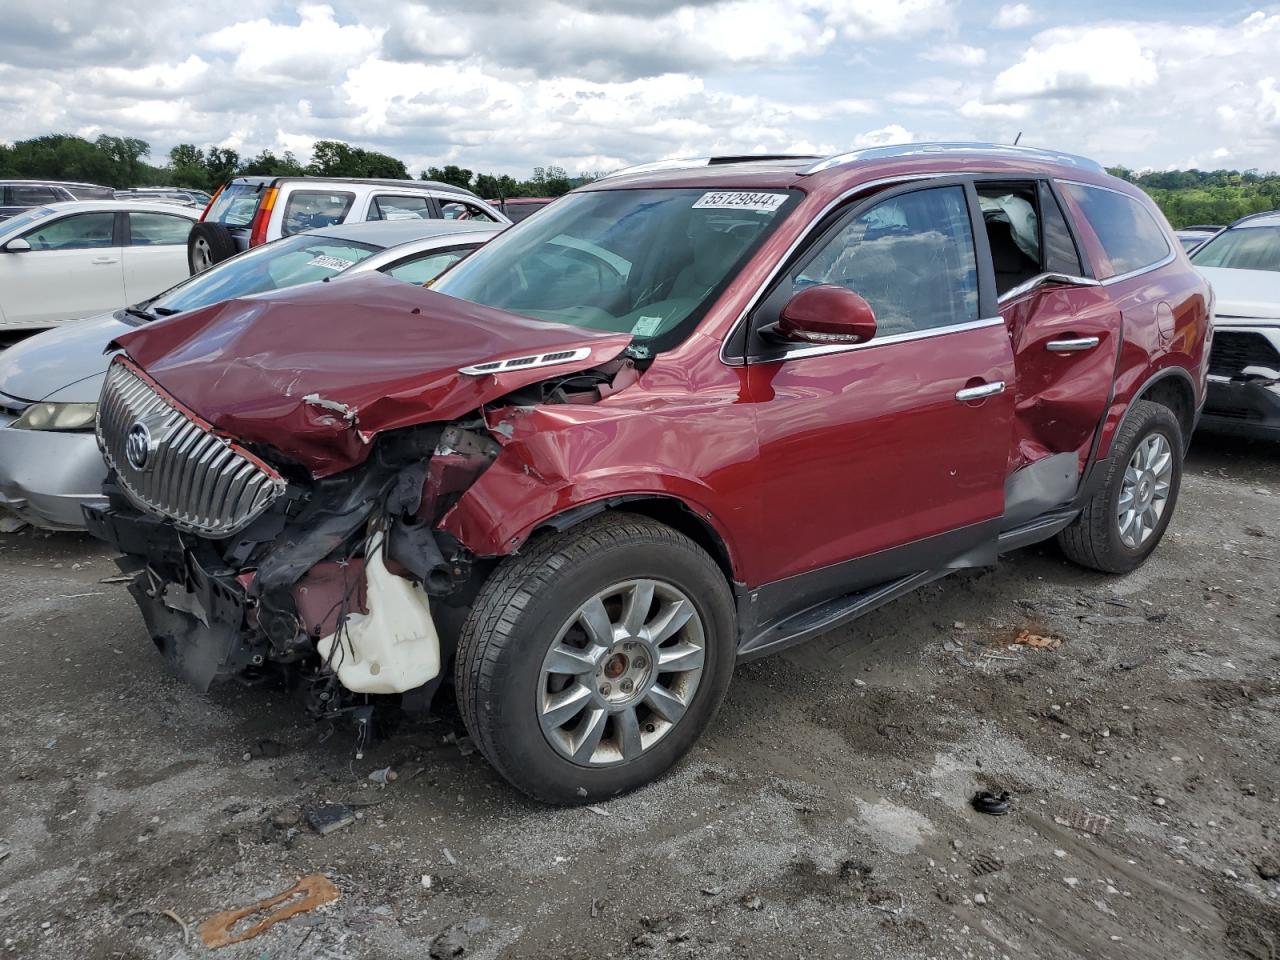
point(980, 391)
point(105, 260)
point(1072, 345)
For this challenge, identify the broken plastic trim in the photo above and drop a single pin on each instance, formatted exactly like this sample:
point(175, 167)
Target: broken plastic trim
point(525, 363)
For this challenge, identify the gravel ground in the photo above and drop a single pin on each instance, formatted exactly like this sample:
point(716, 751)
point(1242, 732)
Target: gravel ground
point(825, 813)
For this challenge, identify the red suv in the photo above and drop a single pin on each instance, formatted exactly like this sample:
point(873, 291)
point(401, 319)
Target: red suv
point(683, 417)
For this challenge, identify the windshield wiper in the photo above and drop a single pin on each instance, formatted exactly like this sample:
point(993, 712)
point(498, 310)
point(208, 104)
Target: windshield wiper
point(140, 313)
point(164, 311)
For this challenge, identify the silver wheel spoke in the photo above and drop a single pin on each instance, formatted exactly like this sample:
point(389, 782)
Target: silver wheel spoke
point(564, 706)
point(681, 657)
point(671, 617)
point(584, 745)
point(664, 703)
point(573, 661)
point(639, 600)
point(595, 620)
point(627, 725)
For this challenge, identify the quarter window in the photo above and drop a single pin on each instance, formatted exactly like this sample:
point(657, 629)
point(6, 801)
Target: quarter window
point(425, 268)
point(400, 208)
point(1130, 237)
point(309, 209)
point(83, 231)
point(911, 257)
point(157, 230)
point(461, 210)
point(32, 196)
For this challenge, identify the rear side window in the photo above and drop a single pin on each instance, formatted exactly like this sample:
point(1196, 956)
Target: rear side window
point(157, 230)
point(461, 210)
point(309, 209)
point(400, 208)
point(236, 205)
point(32, 196)
point(1060, 253)
point(84, 231)
point(1129, 235)
point(426, 267)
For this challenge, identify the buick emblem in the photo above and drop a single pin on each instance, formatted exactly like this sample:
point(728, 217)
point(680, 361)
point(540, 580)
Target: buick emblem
point(138, 446)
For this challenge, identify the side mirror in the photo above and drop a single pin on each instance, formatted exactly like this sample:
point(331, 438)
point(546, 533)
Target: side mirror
point(825, 314)
point(17, 245)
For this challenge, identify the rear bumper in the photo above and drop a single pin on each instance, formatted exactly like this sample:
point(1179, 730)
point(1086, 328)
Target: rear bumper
point(46, 477)
point(1240, 408)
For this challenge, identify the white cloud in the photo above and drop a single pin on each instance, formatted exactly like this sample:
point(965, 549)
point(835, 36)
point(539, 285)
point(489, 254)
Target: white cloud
point(959, 54)
point(1072, 63)
point(316, 49)
point(1013, 15)
point(859, 19)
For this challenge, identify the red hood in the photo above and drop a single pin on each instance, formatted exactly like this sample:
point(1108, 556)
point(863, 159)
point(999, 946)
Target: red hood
point(317, 371)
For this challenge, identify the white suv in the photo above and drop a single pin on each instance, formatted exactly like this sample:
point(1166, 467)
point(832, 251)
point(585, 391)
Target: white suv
point(248, 211)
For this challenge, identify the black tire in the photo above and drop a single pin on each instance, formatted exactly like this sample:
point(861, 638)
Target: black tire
point(518, 615)
point(207, 244)
point(1093, 539)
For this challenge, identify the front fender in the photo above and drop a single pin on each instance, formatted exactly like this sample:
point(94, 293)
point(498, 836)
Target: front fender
point(557, 459)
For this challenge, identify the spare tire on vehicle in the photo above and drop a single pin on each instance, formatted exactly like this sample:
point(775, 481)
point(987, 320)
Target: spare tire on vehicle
point(207, 244)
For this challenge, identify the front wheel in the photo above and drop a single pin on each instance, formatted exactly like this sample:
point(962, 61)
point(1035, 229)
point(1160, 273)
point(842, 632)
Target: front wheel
point(1125, 520)
point(592, 662)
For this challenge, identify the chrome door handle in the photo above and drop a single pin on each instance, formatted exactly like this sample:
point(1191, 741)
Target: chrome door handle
point(105, 260)
point(978, 392)
point(1074, 345)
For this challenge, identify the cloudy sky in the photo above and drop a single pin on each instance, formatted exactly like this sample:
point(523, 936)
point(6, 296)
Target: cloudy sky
point(502, 85)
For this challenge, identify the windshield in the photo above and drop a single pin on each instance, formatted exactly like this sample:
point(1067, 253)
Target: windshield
point(645, 262)
point(272, 266)
point(15, 223)
point(1244, 248)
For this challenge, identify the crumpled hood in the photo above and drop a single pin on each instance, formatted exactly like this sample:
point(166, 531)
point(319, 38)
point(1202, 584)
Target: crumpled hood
point(317, 371)
point(1244, 293)
point(68, 355)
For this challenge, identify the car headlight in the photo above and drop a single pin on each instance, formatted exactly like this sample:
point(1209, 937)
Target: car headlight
point(57, 416)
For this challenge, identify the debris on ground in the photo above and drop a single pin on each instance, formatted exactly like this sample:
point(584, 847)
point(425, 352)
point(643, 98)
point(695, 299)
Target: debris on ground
point(1268, 868)
point(993, 804)
point(1094, 823)
point(601, 811)
point(384, 776)
point(11, 525)
point(712, 891)
point(170, 914)
point(330, 817)
point(454, 941)
point(116, 580)
point(750, 901)
point(312, 891)
point(984, 864)
point(448, 855)
point(1026, 638)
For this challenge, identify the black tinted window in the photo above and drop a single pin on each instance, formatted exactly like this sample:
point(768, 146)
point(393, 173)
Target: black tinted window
point(1060, 254)
point(32, 196)
point(309, 209)
point(911, 257)
point(1129, 235)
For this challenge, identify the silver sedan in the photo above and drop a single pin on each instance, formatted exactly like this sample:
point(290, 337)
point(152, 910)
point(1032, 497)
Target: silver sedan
point(49, 384)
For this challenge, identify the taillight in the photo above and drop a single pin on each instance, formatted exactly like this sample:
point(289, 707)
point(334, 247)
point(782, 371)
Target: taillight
point(212, 200)
point(258, 230)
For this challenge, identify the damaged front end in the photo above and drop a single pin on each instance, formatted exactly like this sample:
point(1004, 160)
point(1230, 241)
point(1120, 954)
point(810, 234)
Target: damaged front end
point(249, 561)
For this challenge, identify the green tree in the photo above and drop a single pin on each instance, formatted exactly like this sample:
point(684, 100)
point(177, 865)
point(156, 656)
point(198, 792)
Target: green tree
point(267, 164)
point(333, 158)
point(450, 173)
point(125, 154)
point(222, 163)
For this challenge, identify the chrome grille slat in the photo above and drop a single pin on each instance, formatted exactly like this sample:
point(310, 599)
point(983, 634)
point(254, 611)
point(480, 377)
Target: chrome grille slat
point(194, 478)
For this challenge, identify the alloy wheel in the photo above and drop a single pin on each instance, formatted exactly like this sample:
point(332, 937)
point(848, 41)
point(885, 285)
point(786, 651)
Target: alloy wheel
point(1144, 492)
point(201, 255)
point(621, 673)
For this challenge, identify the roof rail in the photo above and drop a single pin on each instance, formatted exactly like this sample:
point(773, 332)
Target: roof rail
point(688, 163)
point(934, 149)
point(1254, 216)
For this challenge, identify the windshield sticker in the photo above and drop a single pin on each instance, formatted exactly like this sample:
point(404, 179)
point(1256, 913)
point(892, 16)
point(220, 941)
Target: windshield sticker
point(330, 263)
point(722, 200)
point(646, 326)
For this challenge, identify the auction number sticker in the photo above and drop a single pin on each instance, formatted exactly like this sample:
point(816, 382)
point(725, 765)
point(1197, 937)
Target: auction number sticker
point(646, 326)
point(330, 263)
point(740, 200)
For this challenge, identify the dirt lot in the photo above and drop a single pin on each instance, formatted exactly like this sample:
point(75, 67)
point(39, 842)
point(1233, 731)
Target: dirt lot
point(825, 814)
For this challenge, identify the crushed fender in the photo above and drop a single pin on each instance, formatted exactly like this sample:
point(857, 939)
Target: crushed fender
point(312, 891)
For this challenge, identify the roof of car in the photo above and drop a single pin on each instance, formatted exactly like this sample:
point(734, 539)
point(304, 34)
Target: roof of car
point(791, 171)
point(141, 206)
point(56, 183)
point(1266, 218)
point(375, 181)
point(390, 233)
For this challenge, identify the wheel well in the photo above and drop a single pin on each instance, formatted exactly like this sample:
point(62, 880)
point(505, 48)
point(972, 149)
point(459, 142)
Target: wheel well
point(1175, 393)
point(665, 510)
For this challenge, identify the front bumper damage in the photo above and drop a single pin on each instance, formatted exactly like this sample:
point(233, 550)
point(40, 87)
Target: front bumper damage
point(341, 587)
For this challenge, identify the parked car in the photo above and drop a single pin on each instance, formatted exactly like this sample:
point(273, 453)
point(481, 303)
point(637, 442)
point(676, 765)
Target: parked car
point(521, 208)
point(71, 260)
point(248, 211)
point(192, 198)
point(50, 464)
point(679, 419)
point(19, 195)
point(1243, 265)
point(1192, 237)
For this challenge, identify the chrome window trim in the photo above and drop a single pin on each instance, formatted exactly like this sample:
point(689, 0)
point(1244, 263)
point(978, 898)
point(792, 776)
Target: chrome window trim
point(821, 351)
point(799, 242)
point(1041, 279)
point(1169, 245)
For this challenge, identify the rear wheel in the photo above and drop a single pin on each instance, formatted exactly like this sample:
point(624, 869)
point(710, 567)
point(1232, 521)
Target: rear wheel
point(207, 244)
point(593, 661)
point(1124, 521)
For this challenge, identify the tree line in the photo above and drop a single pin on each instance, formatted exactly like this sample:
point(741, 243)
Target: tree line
point(1186, 196)
point(124, 162)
